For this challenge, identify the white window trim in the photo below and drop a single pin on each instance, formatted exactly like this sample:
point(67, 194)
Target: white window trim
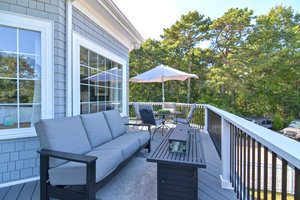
point(78, 41)
point(47, 80)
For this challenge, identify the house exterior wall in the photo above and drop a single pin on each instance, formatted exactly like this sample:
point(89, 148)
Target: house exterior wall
point(18, 157)
point(89, 29)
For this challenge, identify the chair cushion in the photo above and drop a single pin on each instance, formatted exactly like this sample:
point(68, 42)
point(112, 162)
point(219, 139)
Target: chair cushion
point(96, 128)
point(63, 134)
point(115, 123)
point(143, 136)
point(73, 173)
point(127, 143)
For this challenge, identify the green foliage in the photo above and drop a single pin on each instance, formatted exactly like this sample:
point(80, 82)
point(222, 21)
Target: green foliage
point(163, 111)
point(251, 68)
point(278, 123)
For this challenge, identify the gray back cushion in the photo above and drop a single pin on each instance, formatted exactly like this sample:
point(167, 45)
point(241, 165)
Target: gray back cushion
point(63, 134)
point(126, 121)
point(96, 128)
point(115, 123)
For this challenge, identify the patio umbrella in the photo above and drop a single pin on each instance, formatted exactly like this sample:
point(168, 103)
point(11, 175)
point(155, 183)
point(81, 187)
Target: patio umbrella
point(160, 74)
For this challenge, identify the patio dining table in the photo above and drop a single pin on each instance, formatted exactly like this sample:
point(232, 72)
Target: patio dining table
point(167, 114)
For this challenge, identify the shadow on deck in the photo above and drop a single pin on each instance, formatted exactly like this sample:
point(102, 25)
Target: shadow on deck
point(209, 180)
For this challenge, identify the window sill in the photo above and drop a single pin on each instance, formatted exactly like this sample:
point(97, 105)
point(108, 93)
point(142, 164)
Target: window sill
point(17, 133)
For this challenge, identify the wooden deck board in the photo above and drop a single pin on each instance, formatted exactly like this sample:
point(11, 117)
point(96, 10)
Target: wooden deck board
point(209, 187)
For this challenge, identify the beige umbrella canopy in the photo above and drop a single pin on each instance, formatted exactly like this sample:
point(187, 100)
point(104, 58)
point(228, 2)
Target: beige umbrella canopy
point(160, 74)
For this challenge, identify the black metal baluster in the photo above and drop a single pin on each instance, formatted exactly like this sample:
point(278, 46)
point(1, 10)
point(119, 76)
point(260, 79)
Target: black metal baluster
point(244, 163)
point(253, 168)
point(284, 180)
point(248, 168)
point(258, 170)
point(231, 152)
point(266, 173)
point(241, 163)
point(274, 157)
point(297, 184)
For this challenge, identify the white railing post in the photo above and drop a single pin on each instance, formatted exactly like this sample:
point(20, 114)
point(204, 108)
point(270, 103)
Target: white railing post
point(205, 120)
point(225, 154)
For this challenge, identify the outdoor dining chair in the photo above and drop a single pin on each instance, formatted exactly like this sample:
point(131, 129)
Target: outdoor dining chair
point(186, 120)
point(147, 117)
point(137, 113)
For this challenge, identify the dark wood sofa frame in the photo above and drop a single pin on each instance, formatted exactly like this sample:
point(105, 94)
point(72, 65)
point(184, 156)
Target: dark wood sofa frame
point(91, 188)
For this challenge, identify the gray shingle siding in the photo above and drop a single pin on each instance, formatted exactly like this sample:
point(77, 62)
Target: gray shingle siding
point(18, 159)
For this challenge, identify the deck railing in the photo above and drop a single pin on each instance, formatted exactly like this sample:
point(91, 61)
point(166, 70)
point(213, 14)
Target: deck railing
point(198, 116)
point(257, 163)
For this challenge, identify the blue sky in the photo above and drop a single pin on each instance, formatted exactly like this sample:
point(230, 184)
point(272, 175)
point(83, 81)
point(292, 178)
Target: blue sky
point(151, 16)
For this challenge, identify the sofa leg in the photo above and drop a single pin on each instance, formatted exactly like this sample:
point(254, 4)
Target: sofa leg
point(91, 181)
point(44, 195)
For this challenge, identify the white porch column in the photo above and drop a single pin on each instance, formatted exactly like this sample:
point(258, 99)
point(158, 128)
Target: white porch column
point(225, 154)
point(205, 120)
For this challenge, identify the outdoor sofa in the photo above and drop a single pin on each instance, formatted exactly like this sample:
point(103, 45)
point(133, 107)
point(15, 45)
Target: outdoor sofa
point(85, 150)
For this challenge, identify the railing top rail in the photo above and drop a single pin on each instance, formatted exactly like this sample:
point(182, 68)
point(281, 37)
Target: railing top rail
point(283, 146)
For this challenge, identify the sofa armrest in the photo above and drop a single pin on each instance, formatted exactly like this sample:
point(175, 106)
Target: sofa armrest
point(68, 156)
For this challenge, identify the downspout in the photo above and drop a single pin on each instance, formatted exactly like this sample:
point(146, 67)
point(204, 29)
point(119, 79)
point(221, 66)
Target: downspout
point(69, 73)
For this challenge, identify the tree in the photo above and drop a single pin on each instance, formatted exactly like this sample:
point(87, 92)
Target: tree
point(181, 40)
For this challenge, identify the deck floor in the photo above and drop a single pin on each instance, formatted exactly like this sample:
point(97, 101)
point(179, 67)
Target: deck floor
point(209, 180)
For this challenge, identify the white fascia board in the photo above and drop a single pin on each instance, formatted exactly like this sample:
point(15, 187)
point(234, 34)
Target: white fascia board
point(106, 17)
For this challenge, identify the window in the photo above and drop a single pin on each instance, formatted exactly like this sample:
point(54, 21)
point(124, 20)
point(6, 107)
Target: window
point(26, 93)
point(20, 77)
point(100, 83)
point(99, 78)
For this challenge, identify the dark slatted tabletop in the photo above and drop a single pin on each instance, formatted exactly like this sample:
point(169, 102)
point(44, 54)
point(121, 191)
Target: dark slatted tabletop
point(194, 156)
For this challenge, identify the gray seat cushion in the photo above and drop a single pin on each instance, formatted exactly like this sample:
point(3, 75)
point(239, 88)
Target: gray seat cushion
point(115, 123)
point(143, 136)
point(96, 128)
point(127, 143)
point(63, 134)
point(72, 173)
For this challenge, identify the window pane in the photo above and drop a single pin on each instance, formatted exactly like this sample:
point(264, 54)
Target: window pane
point(84, 73)
point(8, 65)
point(30, 91)
point(101, 63)
point(108, 64)
point(8, 117)
point(8, 92)
point(29, 114)
point(101, 94)
point(101, 106)
point(93, 93)
point(84, 93)
point(84, 108)
point(93, 59)
point(10, 41)
point(30, 42)
point(93, 107)
point(84, 56)
point(30, 66)
point(93, 76)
